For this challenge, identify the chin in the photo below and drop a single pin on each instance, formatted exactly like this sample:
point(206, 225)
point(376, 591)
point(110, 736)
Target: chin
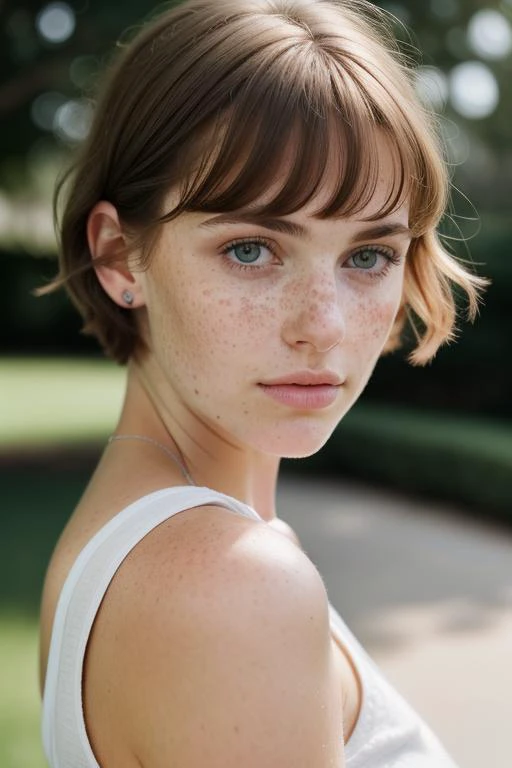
point(298, 441)
point(302, 452)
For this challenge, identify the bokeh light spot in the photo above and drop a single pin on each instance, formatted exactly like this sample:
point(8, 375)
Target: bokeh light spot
point(44, 108)
point(474, 91)
point(73, 120)
point(489, 34)
point(56, 22)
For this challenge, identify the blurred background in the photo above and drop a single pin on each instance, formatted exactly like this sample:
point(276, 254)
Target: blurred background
point(430, 437)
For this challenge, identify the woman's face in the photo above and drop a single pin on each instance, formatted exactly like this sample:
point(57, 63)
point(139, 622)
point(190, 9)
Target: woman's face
point(234, 305)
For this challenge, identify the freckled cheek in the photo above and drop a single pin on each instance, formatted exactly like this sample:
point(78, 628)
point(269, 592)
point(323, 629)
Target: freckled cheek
point(217, 325)
point(371, 321)
point(239, 319)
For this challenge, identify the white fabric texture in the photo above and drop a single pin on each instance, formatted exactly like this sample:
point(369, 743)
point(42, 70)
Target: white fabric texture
point(388, 733)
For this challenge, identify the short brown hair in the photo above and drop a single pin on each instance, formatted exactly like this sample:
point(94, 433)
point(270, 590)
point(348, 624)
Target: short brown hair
point(211, 95)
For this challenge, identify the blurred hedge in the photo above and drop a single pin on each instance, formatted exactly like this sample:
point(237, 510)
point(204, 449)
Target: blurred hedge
point(30, 325)
point(472, 376)
point(60, 411)
point(463, 460)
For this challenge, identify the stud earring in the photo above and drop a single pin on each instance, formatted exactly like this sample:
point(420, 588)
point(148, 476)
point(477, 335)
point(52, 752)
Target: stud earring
point(128, 297)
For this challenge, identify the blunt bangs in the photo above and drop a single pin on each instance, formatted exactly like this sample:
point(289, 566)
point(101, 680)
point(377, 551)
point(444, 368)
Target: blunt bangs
point(300, 113)
point(267, 105)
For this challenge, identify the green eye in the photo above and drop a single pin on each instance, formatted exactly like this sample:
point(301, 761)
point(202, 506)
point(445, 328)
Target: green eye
point(367, 258)
point(247, 253)
point(253, 255)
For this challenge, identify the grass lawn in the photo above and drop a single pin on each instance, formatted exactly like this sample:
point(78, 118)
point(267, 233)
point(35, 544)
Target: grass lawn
point(45, 402)
point(37, 504)
point(70, 403)
point(20, 742)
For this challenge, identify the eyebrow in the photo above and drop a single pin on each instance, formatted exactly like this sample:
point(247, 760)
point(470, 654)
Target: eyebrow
point(372, 232)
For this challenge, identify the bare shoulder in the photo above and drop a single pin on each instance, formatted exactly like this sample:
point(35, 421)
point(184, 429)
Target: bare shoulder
point(225, 657)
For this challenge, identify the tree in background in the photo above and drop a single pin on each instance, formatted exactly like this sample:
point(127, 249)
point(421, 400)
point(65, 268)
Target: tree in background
point(51, 54)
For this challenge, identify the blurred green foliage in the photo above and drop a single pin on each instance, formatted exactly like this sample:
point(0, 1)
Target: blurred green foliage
point(38, 513)
point(378, 441)
point(433, 33)
point(20, 741)
point(62, 430)
point(472, 376)
point(467, 461)
point(30, 66)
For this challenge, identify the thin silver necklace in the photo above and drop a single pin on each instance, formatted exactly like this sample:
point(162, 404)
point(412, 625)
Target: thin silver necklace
point(177, 458)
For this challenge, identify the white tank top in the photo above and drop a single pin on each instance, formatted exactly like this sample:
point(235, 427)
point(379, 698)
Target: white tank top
point(388, 733)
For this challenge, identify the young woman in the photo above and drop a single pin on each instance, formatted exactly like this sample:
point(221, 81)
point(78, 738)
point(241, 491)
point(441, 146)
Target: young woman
point(249, 225)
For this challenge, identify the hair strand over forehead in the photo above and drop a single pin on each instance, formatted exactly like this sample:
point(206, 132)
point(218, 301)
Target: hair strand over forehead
point(252, 103)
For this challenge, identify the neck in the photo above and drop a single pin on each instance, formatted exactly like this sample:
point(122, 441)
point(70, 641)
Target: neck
point(211, 457)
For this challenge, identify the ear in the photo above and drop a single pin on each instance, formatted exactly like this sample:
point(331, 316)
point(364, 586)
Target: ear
point(107, 240)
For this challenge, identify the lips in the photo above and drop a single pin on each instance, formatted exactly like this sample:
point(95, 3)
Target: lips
point(305, 390)
point(307, 379)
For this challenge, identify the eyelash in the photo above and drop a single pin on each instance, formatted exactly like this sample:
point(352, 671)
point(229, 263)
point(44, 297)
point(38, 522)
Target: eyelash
point(393, 259)
point(249, 241)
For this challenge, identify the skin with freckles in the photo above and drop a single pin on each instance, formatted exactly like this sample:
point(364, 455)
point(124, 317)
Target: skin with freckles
point(306, 307)
point(192, 242)
point(228, 306)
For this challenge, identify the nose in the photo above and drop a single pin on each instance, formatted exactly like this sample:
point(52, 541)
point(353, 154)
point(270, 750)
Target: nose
point(314, 313)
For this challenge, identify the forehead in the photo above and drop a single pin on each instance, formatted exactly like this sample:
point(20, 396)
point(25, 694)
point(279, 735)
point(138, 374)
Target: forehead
point(326, 182)
point(382, 183)
point(305, 224)
point(381, 186)
point(326, 123)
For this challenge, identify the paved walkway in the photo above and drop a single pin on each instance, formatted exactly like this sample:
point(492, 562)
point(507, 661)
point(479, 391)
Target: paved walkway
point(429, 594)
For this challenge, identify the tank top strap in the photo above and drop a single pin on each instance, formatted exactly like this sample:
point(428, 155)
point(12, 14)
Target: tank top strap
point(79, 601)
